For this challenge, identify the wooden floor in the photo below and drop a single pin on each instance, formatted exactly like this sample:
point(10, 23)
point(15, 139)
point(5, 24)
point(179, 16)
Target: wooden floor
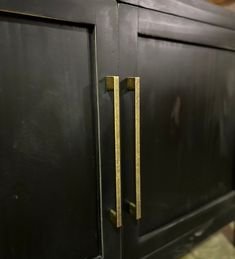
point(219, 246)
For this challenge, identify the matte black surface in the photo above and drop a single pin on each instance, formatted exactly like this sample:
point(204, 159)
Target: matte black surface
point(203, 223)
point(198, 10)
point(57, 137)
point(183, 30)
point(48, 145)
point(187, 130)
point(58, 52)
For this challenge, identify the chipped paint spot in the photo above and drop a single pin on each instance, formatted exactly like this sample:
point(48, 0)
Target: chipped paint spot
point(198, 233)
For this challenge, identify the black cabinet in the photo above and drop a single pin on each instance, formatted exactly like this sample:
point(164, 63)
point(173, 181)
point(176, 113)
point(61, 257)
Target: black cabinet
point(56, 128)
point(117, 127)
point(186, 72)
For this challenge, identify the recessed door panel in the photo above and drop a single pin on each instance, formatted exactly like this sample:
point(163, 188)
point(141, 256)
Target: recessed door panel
point(49, 195)
point(185, 148)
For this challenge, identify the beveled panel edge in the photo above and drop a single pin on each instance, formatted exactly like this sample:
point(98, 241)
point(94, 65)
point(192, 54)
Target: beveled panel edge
point(78, 11)
point(194, 227)
point(197, 10)
point(165, 26)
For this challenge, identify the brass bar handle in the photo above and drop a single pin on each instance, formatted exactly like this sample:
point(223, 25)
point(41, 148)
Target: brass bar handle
point(112, 84)
point(133, 84)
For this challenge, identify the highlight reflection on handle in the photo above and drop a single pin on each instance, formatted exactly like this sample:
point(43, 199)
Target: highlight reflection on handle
point(112, 84)
point(133, 84)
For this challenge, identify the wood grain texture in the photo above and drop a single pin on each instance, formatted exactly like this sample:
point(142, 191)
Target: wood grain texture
point(38, 39)
point(166, 26)
point(184, 78)
point(198, 10)
point(44, 168)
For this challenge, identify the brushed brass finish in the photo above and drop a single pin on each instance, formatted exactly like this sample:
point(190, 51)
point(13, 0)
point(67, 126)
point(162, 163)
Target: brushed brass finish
point(131, 208)
point(112, 84)
point(133, 84)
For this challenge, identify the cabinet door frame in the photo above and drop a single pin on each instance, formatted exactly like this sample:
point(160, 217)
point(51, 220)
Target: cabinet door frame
point(175, 238)
point(193, 9)
point(100, 17)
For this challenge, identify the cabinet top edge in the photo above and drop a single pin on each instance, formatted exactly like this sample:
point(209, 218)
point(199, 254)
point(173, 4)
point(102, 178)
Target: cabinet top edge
point(197, 10)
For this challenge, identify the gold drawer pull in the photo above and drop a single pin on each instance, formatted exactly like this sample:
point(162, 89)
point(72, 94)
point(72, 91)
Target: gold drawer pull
point(133, 84)
point(112, 84)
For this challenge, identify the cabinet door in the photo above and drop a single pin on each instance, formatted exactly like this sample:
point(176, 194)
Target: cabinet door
point(56, 125)
point(186, 72)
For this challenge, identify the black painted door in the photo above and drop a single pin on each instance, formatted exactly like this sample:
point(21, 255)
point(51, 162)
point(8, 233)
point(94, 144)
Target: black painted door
point(55, 129)
point(187, 129)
